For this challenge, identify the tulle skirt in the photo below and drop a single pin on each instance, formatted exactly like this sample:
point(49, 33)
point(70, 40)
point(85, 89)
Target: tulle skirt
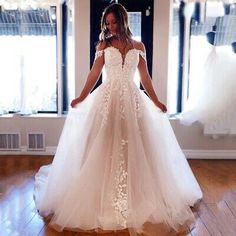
point(118, 166)
point(213, 103)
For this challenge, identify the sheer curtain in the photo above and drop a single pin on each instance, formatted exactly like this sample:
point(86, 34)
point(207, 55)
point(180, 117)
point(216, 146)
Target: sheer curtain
point(28, 71)
point(27, 74)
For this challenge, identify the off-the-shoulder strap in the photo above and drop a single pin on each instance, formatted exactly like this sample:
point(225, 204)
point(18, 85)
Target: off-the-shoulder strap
point(98, 53)
point(142, 54)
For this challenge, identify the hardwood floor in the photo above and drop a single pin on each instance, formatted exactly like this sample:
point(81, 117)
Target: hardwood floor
point(18, 216)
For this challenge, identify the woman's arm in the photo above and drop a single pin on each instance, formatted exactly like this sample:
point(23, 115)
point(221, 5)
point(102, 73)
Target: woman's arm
point(92, 78)
point(146, 80)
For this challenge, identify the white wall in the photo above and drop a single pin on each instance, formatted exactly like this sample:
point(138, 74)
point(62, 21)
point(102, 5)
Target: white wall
point(82, 43)
point(189, 137)
point(161, 35)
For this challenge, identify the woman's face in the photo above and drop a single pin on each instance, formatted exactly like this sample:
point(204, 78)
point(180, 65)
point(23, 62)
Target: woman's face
point(111, 24)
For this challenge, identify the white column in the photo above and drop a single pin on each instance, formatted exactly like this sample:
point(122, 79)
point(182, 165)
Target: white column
point(81, 17)
point(161, 43)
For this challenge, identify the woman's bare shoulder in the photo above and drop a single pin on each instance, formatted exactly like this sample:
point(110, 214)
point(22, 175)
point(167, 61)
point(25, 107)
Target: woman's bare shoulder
point(101, 46)
point(139, 45)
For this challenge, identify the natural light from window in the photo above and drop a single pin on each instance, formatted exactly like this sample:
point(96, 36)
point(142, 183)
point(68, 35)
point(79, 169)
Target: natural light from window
point(28, 59)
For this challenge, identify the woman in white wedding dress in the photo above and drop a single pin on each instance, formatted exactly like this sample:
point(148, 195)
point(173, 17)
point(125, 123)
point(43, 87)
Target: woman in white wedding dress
point(118, 164)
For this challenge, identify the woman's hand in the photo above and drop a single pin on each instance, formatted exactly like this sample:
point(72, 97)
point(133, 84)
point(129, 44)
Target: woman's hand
point(162, 107)
point(74, 102)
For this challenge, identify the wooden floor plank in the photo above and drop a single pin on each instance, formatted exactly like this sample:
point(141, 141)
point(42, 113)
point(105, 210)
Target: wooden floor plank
point(230, 199)
point(209, 219)
point(17, 221)
point(18, 199)
point(225, 220)
point(47, 231)
point(199, 229)
point(215, 177)
point(33, 227)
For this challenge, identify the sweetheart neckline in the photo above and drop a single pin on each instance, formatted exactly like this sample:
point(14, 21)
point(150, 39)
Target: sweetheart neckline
point(123, 57)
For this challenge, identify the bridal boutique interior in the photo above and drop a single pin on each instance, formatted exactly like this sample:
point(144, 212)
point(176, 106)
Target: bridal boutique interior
point(47, 49)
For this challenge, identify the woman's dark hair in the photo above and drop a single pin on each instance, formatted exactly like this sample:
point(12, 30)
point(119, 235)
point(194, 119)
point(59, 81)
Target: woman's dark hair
point(121, 16)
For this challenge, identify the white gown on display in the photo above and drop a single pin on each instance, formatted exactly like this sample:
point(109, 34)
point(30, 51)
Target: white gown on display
point(213, 103)
point(118, 164)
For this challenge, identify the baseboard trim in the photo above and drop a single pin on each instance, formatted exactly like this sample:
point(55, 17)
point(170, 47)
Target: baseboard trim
point(189, 153)
point(49, 151)
point(209, 154)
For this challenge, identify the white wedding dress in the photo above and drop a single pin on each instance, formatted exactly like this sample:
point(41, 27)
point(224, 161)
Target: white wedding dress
point(212, 101)
point(118, 164)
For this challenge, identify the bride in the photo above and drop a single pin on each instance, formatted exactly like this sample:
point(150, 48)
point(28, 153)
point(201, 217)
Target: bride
point(118, 164)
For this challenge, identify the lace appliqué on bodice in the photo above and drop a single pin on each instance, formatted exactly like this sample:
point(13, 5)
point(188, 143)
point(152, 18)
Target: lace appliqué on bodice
point(120, 73)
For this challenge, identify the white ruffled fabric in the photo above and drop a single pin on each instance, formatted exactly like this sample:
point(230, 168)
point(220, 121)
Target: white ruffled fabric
point(118, 164)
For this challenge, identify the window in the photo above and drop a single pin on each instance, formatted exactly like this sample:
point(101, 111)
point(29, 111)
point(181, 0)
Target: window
point(135, 27)
point(28, 59)
point(173, 82)
point(135, 24)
